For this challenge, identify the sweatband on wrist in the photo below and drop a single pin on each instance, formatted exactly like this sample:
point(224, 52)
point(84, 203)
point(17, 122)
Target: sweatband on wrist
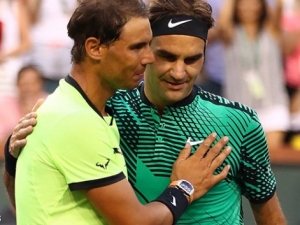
point(175, 200)
point(179, 25)
point(10, 161)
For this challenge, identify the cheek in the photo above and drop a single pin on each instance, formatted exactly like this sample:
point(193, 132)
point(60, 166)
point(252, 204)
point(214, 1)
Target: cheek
point(194, 71)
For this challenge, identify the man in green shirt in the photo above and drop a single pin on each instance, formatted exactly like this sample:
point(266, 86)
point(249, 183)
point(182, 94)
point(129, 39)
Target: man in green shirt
point(156, 118)
point(72, 171)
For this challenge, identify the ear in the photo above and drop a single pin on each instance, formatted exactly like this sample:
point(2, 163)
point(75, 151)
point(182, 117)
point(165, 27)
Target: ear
point(93, 48)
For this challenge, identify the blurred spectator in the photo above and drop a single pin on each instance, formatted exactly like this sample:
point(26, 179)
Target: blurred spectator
point(29, 90)
point(254, 68)
point(291, 46)
point(51, 44)
point(213, 69)
point(15, 41)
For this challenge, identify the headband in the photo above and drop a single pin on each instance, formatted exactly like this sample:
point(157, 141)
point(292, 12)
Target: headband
point(179, 25)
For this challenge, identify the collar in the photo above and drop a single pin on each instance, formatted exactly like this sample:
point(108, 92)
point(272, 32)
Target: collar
point(70, 80)
point(186, 101)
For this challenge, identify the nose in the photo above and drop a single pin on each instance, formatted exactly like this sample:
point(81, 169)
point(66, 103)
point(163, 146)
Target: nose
point(148, 56)
point(178, 70)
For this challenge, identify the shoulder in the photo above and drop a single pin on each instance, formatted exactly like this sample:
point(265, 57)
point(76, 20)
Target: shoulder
point(223, 105)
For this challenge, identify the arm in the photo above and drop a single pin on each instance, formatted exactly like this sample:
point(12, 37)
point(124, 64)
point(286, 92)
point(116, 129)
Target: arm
point(24, 43)
point(259, 183)
point(9, 183)
point(226, 25)
point(275, 15)
point(33, 7)
point(8, 179)
point(290, 41)
point(105, 199)
point(13, 147)
point(118, 201)
point(269, 212)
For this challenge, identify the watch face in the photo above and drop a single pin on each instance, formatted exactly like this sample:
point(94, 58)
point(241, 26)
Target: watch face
point(187, 187)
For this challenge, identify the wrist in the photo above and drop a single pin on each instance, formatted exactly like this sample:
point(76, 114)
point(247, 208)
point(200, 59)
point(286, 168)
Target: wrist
point(175, 200)
point(10, 161)
point(185, 187)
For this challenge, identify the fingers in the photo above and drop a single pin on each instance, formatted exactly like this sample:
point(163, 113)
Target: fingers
point(21, 131)
point(185, 153)
point(205, 145)
point(218, 160)
point(15, 147)
point(25, 125)
point(215, 150)
point(37, 104)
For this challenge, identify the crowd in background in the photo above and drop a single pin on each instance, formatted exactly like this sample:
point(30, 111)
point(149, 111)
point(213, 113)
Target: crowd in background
point(252, 56)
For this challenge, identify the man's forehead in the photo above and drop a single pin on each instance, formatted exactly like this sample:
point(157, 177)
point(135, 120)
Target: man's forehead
point(170, 40)
point(136, 30)
point(177, 45)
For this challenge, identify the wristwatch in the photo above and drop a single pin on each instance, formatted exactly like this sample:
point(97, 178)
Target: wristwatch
point(186, 187)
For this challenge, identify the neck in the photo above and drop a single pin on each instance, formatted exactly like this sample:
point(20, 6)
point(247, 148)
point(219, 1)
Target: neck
point(251, 30)
point(155, 100)
point(91, 84)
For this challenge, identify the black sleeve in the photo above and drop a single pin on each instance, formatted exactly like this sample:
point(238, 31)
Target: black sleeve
point(10, 161)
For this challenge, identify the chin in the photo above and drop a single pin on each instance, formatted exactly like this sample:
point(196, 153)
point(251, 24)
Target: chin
point(173, 98)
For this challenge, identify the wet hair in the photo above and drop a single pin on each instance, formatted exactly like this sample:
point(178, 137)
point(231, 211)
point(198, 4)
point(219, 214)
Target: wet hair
point(102, 19)
point(198, 9)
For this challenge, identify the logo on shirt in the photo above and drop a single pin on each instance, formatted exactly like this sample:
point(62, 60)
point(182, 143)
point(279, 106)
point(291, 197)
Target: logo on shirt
point(104, 166)
point(172, 25)
point(194, 142)
point(117, 151)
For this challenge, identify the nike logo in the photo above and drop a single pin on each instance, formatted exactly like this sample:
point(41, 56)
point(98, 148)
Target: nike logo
point(172, 25)
point(173, 202)
point(192, 143)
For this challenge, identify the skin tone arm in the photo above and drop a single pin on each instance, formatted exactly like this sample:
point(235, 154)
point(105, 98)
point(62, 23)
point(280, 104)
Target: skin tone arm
point(225, 21)
point(290, 41)
point(275, 15)
point(33, 7)
point(105, 199)
point(25, 43)
point(18, 140)
point(113, 195)
point(9, 183)
point(269, 212)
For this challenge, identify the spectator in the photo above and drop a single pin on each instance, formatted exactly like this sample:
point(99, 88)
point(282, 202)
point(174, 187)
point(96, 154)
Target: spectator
point(15, 42)
point(213, 69)
point(291, 44)
point(254, 71)
point(50, 40)
point(13, 107)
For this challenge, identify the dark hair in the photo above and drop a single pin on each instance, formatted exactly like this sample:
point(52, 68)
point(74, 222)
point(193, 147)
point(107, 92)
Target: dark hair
point(262, 18)
point(199, 9)
point(102, 19)
point(26, 68)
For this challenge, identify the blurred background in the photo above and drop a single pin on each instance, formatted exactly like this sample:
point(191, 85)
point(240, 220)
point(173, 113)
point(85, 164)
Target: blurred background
point(252, 56)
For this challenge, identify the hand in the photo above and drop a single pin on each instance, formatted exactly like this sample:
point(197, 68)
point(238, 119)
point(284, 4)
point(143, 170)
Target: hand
point(199, 168)
point(22, 130)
